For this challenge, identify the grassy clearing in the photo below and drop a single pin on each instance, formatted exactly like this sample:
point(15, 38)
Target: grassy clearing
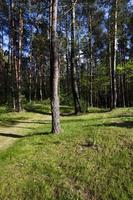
point(91, 160)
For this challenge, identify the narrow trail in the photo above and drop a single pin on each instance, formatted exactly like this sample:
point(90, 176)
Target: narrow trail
point(7, 137)
point(5, 142)
point(9, 133)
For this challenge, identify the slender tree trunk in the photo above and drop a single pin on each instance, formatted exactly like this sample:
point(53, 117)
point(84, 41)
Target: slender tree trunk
point(54, 69)
point(36, 79)
point(75, 90)
point(11, 54)
point(30, 63)
point(19, 68)
point(67, 58)
point(30, 77)
point(90, 59)
point(114, 51)
point(122, 90)
point(110, 73)
point(41, 83)
point(123, 74)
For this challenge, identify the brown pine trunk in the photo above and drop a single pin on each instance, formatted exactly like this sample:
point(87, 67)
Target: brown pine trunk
point(19, 67)
point(110, 73)
point(41, 83)
point(54, 69)
point(67, 59)
point(91, 60)
point(75, 89)
point(30, 77)
point(30, 63)
point(11, 55)
point(114, 50)
point(36, 79)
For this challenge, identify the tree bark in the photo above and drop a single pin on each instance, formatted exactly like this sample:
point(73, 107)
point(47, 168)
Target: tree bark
point(114, 51)
point(30, 62)
point(74, 83)
point(19, 68)
point(11, 53)
point(54, 69)
point(90, 59)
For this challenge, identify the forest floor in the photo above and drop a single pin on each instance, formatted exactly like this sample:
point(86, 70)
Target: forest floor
point(92, 159)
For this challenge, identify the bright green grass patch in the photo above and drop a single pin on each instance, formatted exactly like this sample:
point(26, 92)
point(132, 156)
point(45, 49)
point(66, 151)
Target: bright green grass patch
point(91, 159)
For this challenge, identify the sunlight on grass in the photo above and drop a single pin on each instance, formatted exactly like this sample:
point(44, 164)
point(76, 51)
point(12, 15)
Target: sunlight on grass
point(91, 159)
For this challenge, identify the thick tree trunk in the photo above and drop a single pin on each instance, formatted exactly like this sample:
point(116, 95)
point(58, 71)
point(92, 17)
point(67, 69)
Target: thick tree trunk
point(54, 70)
point(75, 89)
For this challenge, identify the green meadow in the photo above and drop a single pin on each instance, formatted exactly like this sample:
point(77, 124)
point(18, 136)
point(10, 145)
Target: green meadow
point(92, 159)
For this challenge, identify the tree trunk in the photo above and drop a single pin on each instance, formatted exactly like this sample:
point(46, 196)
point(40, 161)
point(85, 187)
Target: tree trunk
point(90, 59)
point(67, 58)
point(11, 54)
point(19, 68)
point(54, 69)
point(110, 72)
point(41, 82)
point(75, 89)
point(113, 53)
point(30, 62)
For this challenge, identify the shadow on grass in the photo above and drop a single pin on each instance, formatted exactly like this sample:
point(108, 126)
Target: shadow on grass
point(98, 111)
point(15, 122)
point(37, 111)
point(38, 108)
point(46, 110)
point(124, 124)
point(68, 114)
point(49, 113)
point(8, 122)
point(15, 135)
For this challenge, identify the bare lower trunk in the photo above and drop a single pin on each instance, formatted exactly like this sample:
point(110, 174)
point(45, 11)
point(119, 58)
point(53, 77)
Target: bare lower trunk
point(54, 70)
point(30, 85)
point(40, 83)
point(36, 78)
point(123, 91)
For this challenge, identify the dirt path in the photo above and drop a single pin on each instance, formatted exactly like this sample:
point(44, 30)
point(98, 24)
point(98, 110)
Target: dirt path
point(9, 133)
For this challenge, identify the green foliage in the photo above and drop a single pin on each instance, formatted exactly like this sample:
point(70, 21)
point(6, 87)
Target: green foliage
point(127, 68)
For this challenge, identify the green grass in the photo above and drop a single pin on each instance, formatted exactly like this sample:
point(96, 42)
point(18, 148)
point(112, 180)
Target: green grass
point(92, 159)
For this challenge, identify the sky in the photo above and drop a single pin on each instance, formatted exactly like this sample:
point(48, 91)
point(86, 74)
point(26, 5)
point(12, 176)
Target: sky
point(6, 40)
